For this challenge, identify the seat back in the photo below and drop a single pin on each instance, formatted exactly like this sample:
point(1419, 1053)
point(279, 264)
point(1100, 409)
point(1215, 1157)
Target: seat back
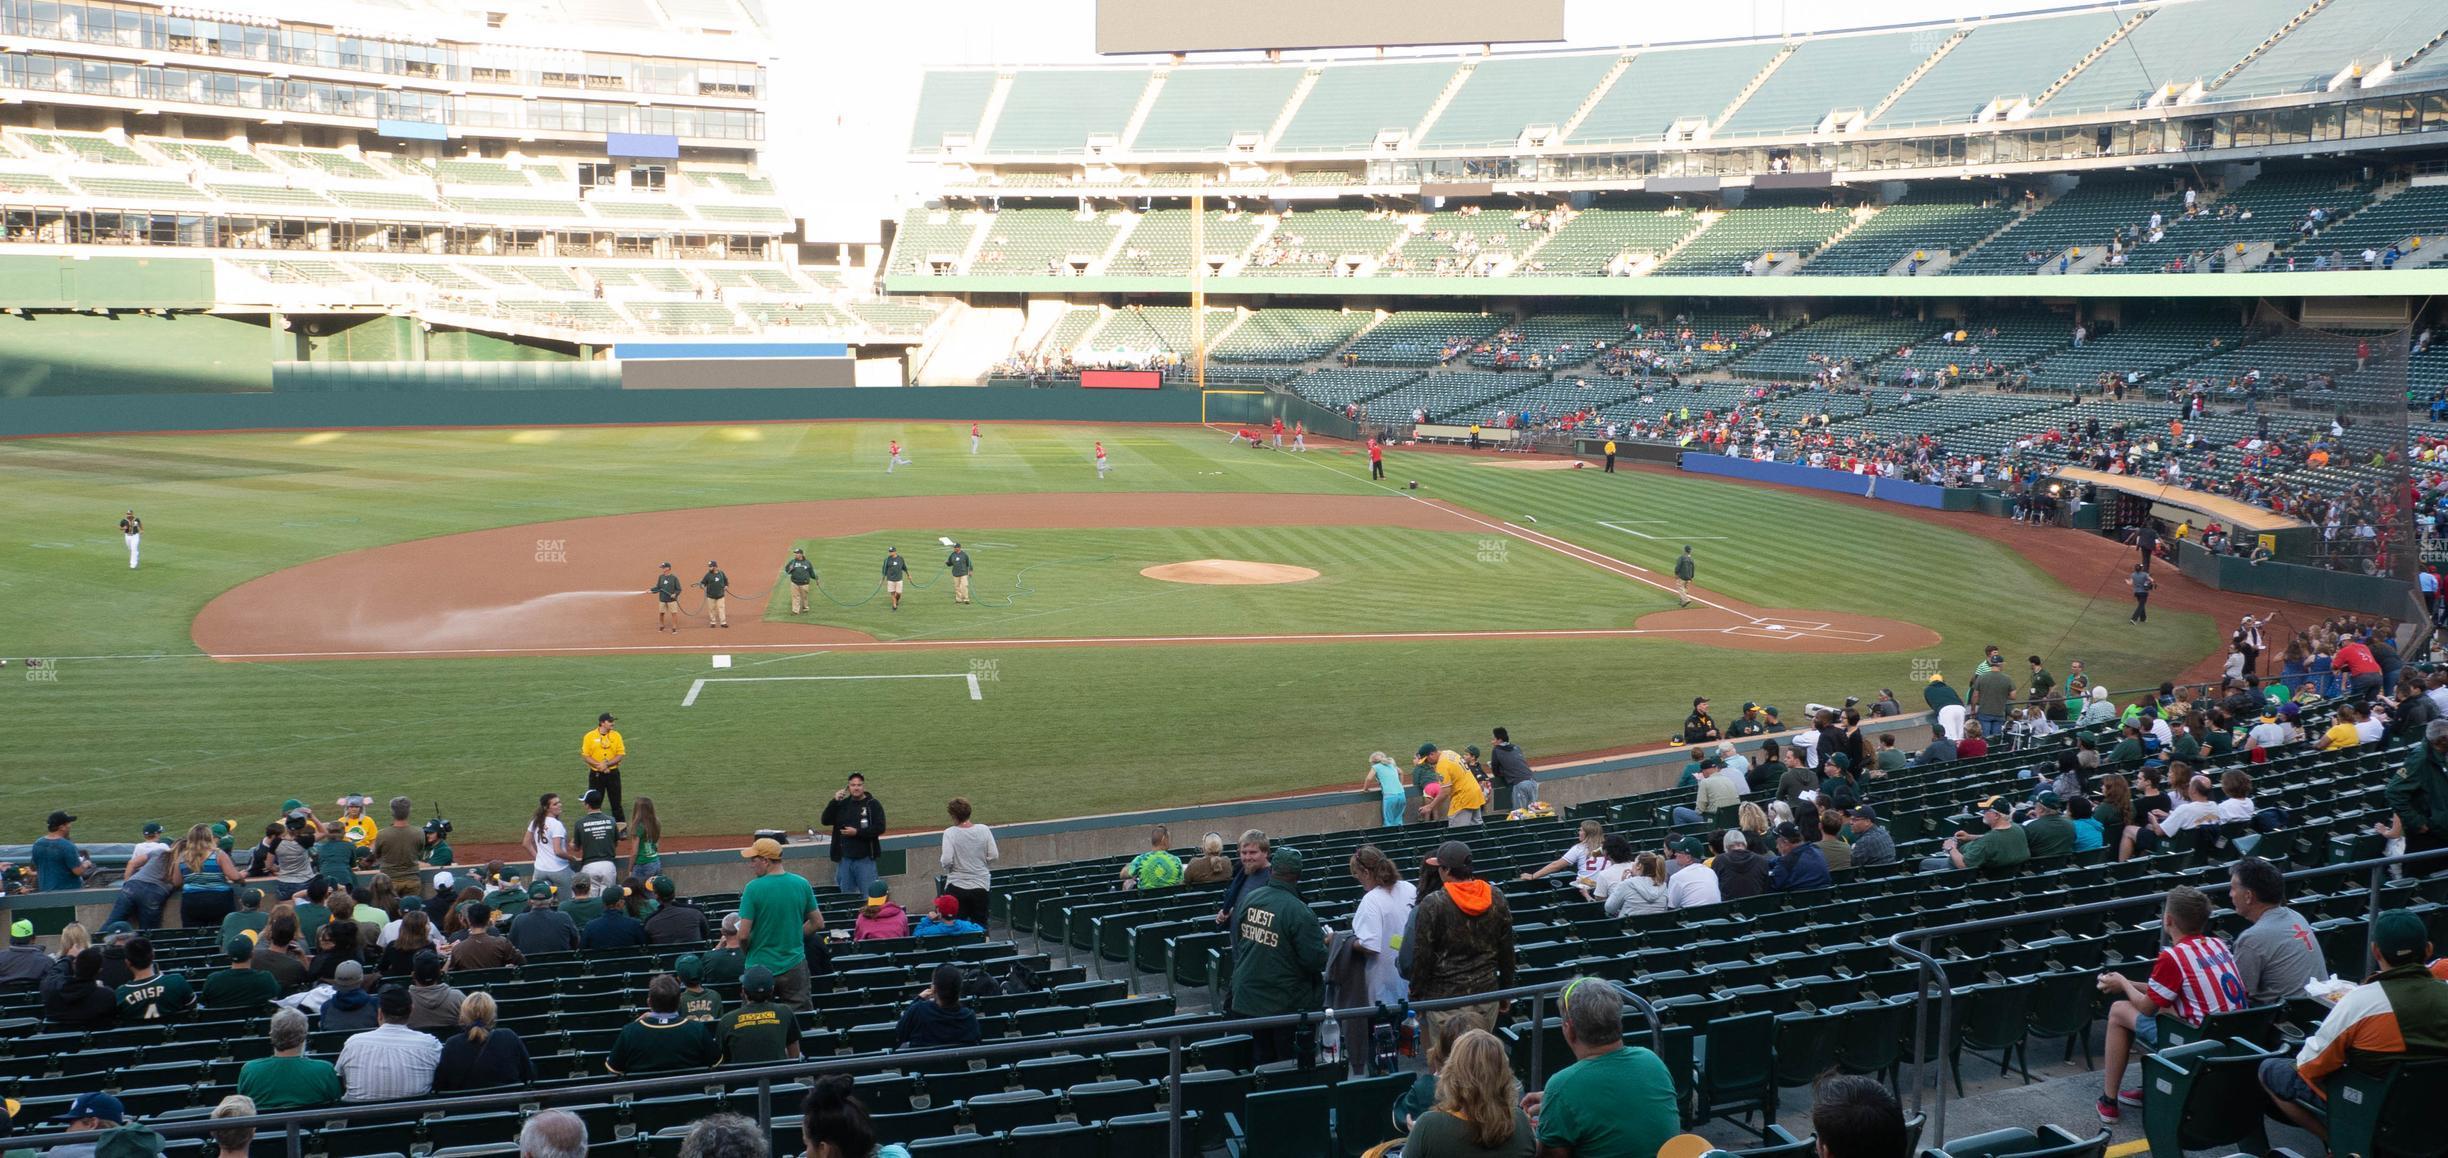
point(995, 1113)
point(1290, 1123)
point(1735, 1070)
point(1139, 1135)
point(2396, 1114)
point(2045, 1142)
point(2190, 1093)
point(1364, 1111)
point(1805, 1046)
point(1872, 1039)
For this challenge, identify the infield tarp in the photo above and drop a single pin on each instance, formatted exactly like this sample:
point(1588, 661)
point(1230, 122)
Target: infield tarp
point(1890, 490)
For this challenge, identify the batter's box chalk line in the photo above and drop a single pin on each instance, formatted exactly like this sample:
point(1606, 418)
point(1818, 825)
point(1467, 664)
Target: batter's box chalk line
point(698, 687)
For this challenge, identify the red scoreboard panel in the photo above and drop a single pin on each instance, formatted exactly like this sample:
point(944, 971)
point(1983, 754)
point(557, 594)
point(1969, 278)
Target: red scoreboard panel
point(1121, 379)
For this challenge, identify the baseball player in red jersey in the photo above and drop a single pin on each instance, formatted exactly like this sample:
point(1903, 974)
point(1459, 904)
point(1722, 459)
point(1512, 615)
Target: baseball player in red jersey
point(973, 438)
point(1376, 451)
point(1102, 466)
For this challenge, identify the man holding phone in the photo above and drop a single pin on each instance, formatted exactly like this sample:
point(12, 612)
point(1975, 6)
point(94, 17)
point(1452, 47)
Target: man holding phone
point(856, 822)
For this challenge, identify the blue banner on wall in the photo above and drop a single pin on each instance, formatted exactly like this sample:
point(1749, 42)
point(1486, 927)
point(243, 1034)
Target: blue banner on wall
point(1891, 490)
point(412, 130)
point(654, 146)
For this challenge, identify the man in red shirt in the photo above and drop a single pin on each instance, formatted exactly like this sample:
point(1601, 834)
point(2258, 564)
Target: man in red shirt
point(2194, 977)
point(1376, 451)
point(1279, 432)
point(2362, 670)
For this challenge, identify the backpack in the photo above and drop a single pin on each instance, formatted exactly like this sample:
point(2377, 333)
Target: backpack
point(976, 983)
point(1021, 979)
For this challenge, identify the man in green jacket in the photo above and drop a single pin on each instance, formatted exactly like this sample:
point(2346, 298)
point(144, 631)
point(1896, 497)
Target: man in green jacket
point(802, 575)
point(2418, 792)
point(1279, 954)
point(717, 588)
point(896, 572)
point(958, 561)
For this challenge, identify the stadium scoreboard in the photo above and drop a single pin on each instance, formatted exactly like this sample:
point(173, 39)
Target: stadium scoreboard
point(1127, 27)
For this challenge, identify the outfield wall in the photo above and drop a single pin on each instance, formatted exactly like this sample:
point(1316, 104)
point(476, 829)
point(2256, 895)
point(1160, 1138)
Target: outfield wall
point(1890, 490)
point(313, 410)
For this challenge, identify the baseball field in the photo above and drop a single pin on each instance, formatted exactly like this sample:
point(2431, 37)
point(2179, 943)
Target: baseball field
point(444, 613)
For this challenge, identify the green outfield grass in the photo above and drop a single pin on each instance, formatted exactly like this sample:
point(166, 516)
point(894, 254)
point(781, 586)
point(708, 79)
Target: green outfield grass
point(1057, 731)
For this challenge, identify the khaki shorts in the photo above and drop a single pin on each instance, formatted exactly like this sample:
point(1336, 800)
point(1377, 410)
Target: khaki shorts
point(892, 586)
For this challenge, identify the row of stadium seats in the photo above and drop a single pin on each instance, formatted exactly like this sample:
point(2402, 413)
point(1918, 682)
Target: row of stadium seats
point(1978, 228)
point(2057, 63)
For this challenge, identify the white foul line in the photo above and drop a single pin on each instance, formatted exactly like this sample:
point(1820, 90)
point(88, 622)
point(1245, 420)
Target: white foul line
point(1647, 535)
point(690, 700)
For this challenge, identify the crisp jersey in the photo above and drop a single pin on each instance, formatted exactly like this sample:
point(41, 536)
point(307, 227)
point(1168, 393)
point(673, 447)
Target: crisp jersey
point(598, 837)
point(155, 998)
point(2196, 977)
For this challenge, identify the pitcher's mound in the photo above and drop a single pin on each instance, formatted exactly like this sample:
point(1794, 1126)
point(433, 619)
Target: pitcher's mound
point(1229, 572)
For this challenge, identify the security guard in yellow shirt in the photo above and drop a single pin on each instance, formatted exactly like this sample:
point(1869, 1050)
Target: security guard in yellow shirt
point(1610, 455)
point(603, 750)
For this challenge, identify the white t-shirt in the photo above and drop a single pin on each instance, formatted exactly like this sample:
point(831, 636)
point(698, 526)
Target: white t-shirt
point(2186, 815)
point(1737, 771)
point(1693, 884)
point(2232, 808)
point(2370, 731)
point(1807, 743)
point(546, 860)
point(1604, 880)
point(2159, 727)
point(2269, 735)
point(1585, 861)
point(1378, 922)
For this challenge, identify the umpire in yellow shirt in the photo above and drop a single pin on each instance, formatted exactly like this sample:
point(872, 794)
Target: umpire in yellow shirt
point(603, 751)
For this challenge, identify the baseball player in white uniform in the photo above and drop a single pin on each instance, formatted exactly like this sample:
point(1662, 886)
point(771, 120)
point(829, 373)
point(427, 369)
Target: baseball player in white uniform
point(131, 529)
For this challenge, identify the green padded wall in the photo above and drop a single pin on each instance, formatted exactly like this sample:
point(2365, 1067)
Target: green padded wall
point(130, 283)
point(132, 353)
point(447, 345)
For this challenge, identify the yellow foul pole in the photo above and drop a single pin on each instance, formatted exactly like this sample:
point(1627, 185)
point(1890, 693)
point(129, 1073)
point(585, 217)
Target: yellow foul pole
point(1198, 283)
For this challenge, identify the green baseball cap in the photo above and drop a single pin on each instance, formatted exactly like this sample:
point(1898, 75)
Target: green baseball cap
point(2399, 936)
point(690, 968)
point(1284, 862)
point(2049, 799)
point(292, 804)
point(1690, 846)
point(21, 929)
point(540, 891)
point(1428, 749)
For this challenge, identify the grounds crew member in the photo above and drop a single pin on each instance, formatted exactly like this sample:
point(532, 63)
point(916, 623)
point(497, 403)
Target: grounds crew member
point(1684, 570)
point(1279, 955)
point(666, 591)
point(896, 569)
point(958, 561)
point(802, 575)
point(603, 752)
point(718, 596)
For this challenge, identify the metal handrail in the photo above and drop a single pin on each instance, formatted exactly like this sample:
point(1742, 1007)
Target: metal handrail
point(292, 1122)
point(1932, 969)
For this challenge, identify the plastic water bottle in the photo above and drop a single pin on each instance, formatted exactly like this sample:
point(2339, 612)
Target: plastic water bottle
point(1330, 1043)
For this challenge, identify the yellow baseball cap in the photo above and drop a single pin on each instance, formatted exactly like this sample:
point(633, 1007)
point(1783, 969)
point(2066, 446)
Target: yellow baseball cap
point(763, 848)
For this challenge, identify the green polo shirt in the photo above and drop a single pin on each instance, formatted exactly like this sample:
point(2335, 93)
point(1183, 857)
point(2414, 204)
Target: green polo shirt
point(774, 905)
point(289, 1083)
point(2000, 848)
point(1615, 1105)
point(757, 1032)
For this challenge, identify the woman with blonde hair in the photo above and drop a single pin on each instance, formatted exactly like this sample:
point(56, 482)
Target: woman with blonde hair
point(482, 1055)
point(1584, 860)
point(1757, 822)
point(1640, 889)
point(207, 894)
point(1210, 865)
point(1478, 1108)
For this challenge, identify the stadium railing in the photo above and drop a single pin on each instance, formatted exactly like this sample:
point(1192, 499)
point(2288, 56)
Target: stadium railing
point(292, 1124)
point(1934, 971)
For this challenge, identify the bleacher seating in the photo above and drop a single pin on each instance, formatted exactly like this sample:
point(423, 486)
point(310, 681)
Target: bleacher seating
point(2177, 44)
point(1159, 244)
point(1507, 95)
point(1668, 86)
point(1203, 109)
point(2087, 216)
point(2148, 346)
point(1289, 334)
point(1338, 386)
point(2277, 204)
point(1421, 337)
point(1747, 232)
point(1827, 75)
point(1798, 353)
point(1350, 105)
point(1042, 241)
point(1934, 222)
point(2420, 212)
point(1316, 242)
point(1057, 110)
point(1592, 242)
point(2012, 59)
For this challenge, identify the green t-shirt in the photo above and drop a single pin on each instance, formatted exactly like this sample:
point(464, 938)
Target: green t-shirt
point(1615, 1105)
point(648, 852)
point(724, 966)
point(2001, 848)
point(701, 1005)
point(1156, 869)
point(757, 1032)
point(659, 1042)
point(237, 924)
point(598, 837)
point(439, 854)
point(311, 918)
point(774, 905)
point(583, 911)
point(240, 989)
point(336, 860)
point(289, 1083)
point(1442, 1134)
point(1892, 760)
point(161, 997)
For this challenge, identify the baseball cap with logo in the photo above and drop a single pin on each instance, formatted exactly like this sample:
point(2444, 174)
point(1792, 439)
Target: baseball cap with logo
point(690, 968)
point(947, 907)
point(1690, 846)
point(2049, 799)
point(239, 949)
point(762, 848)
point(101, 1106)
point(757, 981)
point(2399, 937)
point(878, 894)
point(540, 891)
point(153, 828)
point(1286, 862)
point(1428, 749)
point(57, 819)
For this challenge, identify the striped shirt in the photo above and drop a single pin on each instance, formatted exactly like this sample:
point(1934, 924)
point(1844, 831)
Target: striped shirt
point(2196, 977)
point(386, 1062)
